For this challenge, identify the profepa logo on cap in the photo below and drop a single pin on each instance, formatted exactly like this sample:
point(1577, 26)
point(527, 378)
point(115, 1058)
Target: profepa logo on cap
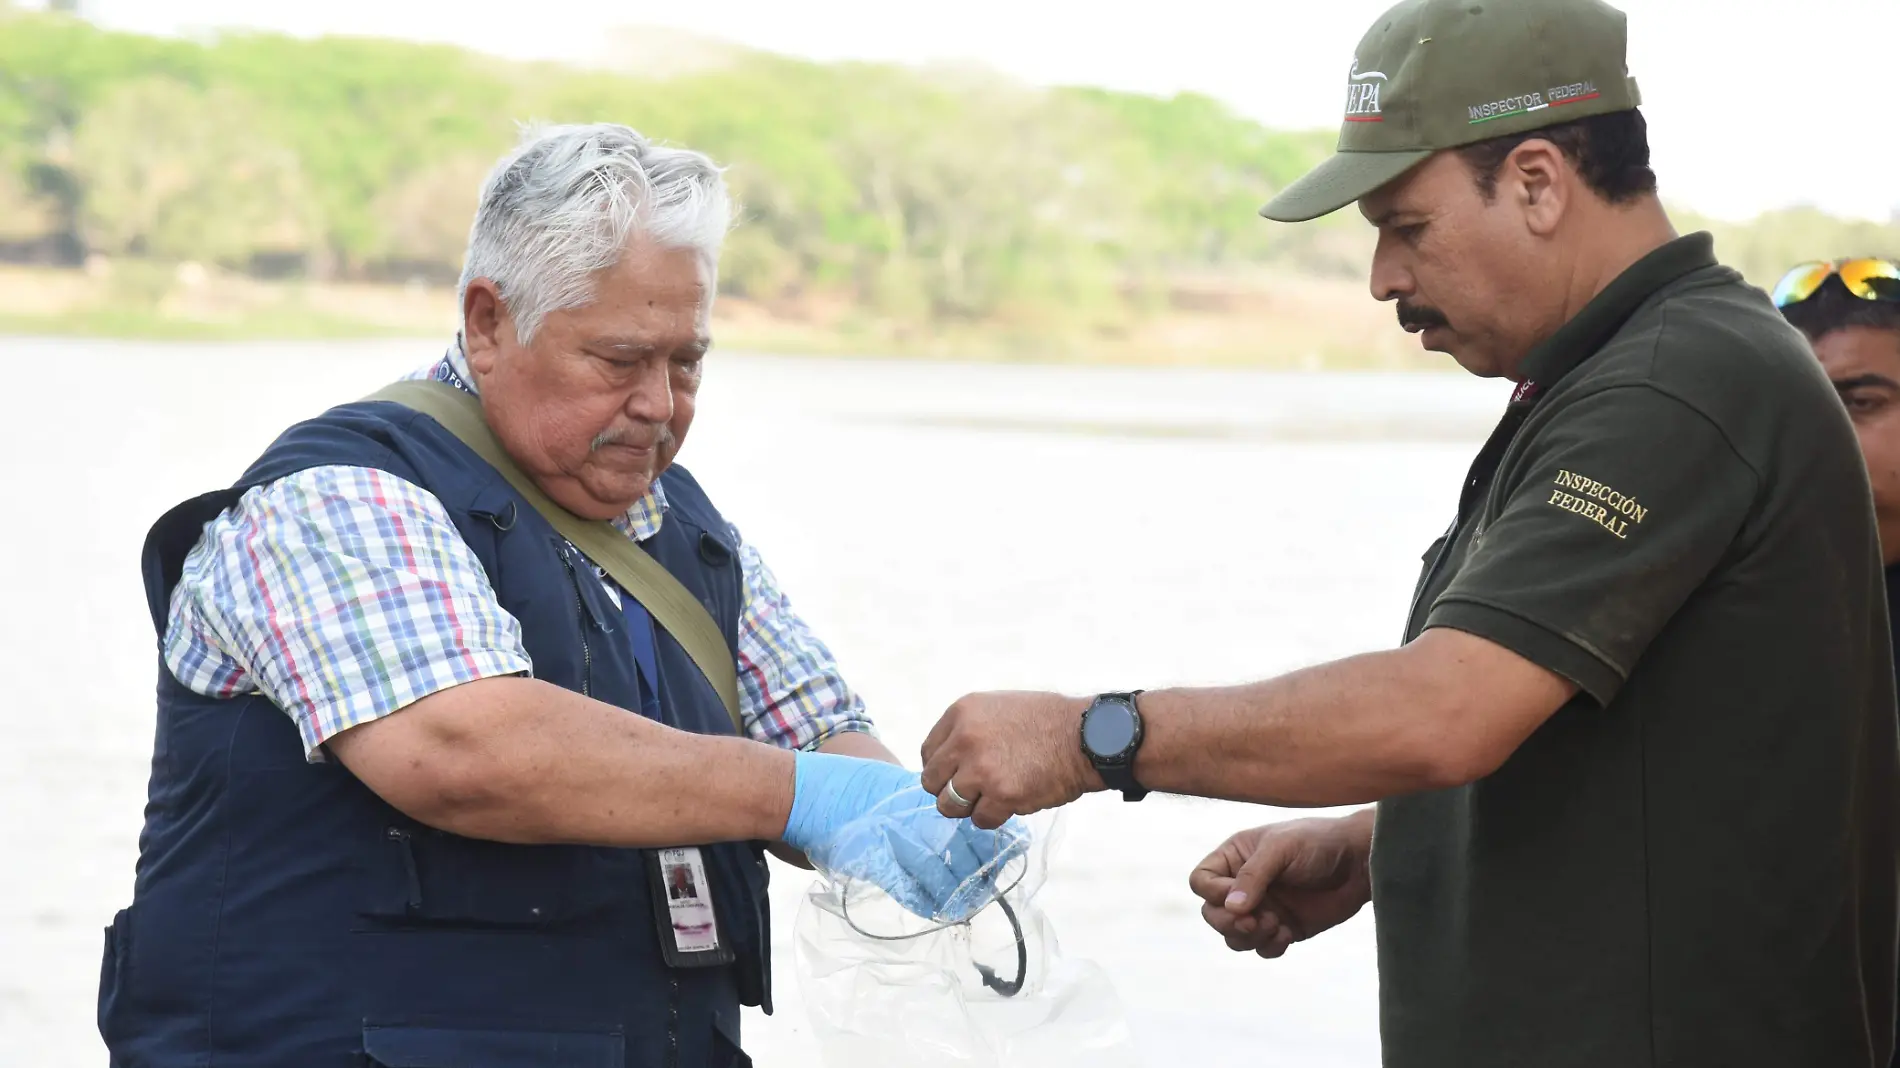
point(1362, 95)
point(1436, 74)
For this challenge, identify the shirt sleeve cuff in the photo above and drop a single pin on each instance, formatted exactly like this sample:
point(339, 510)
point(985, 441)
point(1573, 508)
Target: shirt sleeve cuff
point(1534, 642)
point(833, 730)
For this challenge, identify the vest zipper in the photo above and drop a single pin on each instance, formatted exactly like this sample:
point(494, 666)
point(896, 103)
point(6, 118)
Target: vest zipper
point(401, 838)
point(580, 615)
point(673, 1025)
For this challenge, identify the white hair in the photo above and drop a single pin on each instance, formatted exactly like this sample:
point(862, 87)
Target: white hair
point(569, 200)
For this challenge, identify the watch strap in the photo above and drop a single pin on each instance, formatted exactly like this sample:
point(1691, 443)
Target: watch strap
point(1121, 777)
point(1117, 775)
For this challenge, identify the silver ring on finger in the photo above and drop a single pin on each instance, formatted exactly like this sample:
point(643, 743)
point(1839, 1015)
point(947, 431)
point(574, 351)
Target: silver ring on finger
point(957, 799)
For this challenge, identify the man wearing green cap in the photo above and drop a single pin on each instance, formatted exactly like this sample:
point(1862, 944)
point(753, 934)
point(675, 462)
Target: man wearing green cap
point(1635, 765)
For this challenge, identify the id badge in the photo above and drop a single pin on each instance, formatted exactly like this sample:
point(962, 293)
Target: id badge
point(683, 912)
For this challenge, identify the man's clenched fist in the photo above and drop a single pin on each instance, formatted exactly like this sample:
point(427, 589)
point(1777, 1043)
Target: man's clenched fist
point(1271, 886)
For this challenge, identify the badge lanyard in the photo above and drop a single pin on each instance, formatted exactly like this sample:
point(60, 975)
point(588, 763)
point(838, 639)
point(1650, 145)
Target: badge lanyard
point(684, 915)
point(640, 633)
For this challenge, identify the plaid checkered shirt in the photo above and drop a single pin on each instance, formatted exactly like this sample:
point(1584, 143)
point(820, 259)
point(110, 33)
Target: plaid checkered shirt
point(345, 593)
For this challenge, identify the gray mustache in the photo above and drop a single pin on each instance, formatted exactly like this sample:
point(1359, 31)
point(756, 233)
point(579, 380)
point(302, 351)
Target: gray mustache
point(616, 435)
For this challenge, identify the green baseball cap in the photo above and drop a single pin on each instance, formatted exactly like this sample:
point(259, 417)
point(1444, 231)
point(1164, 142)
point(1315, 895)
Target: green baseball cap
point(1436, 74)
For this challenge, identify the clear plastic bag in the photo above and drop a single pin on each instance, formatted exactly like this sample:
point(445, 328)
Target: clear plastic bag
point(886, 987)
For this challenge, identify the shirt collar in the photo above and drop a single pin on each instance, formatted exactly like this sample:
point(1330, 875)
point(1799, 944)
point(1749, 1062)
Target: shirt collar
point(1591, 328)
point(639, 522)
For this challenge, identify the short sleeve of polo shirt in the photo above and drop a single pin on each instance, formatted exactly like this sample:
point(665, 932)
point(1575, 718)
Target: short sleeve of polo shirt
point(1623, 503)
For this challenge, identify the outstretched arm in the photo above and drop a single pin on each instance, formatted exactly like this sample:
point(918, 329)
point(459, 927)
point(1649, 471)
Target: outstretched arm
point(1446, 709)
point(285, 592)
point(1626, 502)
point(525, 761)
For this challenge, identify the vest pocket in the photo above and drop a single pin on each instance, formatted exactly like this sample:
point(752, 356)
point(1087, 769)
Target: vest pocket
point(118, 938)
point(443, 1047)
point(430, 877)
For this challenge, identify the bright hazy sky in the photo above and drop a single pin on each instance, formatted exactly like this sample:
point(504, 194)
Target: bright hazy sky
point(1752, 104)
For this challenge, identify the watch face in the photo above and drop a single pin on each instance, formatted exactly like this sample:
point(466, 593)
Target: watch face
point(1109, 729)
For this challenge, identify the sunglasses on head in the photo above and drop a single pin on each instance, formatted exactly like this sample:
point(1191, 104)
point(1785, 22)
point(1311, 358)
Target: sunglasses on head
point(1868, 278)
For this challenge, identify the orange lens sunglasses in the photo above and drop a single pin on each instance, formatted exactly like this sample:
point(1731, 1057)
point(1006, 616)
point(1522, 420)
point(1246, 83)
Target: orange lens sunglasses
point(1867, 278)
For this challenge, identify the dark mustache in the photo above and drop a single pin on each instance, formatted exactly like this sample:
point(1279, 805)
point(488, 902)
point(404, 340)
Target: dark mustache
point(1415, 316)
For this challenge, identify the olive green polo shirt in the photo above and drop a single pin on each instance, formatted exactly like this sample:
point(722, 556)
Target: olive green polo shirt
point(1693, 862)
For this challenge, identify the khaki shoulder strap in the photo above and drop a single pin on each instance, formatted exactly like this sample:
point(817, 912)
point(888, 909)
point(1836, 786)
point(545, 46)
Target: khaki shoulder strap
point(672, 605)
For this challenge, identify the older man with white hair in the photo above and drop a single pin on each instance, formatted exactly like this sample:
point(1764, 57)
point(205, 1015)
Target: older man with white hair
point(463, 688)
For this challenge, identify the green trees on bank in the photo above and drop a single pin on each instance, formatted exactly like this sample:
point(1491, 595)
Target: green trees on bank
point(933, 196)
point(924, 196)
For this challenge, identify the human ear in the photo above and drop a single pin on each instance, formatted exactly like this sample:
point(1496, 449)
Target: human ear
point(484, 318)
point(1541, 183)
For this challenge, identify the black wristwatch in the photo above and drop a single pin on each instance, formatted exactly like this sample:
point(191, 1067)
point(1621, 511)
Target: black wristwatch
point(1111, 733)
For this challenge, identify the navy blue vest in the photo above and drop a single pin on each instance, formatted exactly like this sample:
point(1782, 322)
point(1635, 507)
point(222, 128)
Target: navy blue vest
point(284, 915)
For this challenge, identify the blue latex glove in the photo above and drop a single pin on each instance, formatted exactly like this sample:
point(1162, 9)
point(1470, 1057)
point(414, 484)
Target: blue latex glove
point(871, 820)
